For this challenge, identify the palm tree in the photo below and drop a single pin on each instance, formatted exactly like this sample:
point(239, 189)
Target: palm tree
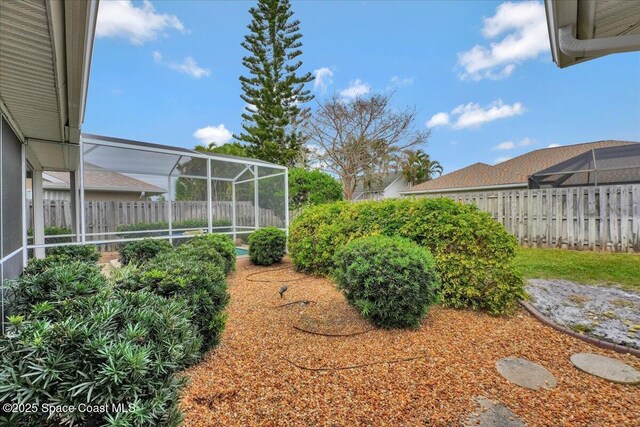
point(418, 167)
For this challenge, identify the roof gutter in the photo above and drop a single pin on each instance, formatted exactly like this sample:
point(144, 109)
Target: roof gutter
point(571, 46)
point(72, 30)
point(463, 189)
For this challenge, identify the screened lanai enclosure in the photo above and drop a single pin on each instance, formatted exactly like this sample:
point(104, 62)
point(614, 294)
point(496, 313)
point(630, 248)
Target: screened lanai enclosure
point(177, 193)
point(600, 166)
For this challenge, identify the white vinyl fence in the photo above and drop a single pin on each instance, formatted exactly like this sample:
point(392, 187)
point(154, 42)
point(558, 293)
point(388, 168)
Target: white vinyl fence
point(594, 218)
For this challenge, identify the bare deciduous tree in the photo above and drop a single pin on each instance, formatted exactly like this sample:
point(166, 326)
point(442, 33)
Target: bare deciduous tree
point(362, 137)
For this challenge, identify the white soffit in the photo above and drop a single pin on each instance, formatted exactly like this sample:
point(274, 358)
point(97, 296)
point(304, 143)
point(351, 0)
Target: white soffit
point(53, 156)
point(28, 85)
point(581, 30)
point(45, 58)
point(616, 18)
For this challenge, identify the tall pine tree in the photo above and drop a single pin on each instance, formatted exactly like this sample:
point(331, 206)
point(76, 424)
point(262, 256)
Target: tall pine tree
point(273, 91)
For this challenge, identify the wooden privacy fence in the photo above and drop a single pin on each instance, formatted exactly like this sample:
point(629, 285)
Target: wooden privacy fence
point(595, 218)
point(106, 216)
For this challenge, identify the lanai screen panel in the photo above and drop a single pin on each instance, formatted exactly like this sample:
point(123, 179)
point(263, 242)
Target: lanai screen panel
point(245, 206)
point(195, 192)
point(602, 166)
point(223, 175)
point(177, 206)
point(271, 197)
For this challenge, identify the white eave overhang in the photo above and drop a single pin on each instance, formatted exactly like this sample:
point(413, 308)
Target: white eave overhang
point(45, 58)
point(581, 30)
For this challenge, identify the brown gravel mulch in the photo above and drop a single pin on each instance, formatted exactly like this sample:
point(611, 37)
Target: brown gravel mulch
point(252, 378)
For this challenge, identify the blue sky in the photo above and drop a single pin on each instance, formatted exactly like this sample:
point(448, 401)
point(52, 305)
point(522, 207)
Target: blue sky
point(479, 72)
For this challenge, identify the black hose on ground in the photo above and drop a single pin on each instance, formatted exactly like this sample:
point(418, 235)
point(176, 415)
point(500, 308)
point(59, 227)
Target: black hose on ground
point(248, 276)
point(298, 328)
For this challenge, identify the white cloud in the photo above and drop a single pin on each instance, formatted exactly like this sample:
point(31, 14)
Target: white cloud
point(501, 159)
point(439, 119)
point(510, 145)
point(120, 18)
point(323, 79)
point(401, 82)
point(524, 27)
point(507, 145)
point(473, 115)
point(187, 66)
point(356, 88)
point(554, 145)
point(217, 134)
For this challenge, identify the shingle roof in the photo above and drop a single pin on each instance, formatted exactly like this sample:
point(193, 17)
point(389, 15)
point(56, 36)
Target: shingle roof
point(515, 171)
point(103, 181)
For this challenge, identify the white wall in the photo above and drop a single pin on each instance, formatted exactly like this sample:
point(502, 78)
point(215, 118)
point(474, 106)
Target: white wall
point(393, 191)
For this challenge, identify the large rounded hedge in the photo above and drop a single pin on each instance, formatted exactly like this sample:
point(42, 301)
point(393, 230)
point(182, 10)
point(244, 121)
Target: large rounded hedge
point(267, 246)
point(391, 280)
point(473, 252)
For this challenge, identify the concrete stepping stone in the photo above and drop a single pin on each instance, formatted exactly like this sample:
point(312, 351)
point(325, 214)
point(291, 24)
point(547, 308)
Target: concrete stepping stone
point(525, 373)
point(605, 367)
point(493, 414)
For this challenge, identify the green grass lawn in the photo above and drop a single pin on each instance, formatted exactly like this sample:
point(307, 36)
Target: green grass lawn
point(580, 266)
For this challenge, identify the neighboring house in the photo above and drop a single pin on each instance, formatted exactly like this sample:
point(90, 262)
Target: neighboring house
point(99, 185)
point(614, 162)
point(382, 187)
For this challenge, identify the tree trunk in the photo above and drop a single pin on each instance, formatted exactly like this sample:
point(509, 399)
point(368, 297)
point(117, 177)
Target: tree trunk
point(347, 187)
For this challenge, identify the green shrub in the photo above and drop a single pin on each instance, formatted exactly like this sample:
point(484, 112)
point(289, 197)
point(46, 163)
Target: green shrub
point(143, 250)
point(113, 348)
point(86, 253)
point(392, 281)
point(180, 274)
point(473, 252)
point(221, 243)
point(267, 245)
point(54, 231)
point(312, 187)
point(188, 252)
point(57, 283)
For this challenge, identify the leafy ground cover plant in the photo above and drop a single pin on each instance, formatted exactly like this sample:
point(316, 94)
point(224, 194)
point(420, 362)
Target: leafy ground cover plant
point(77, 338)
point(85, 253)
point(54, 282)
point(113, 348)
point(390, 280)
point(142, 251)
point(267, 246)
point(473, 253)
